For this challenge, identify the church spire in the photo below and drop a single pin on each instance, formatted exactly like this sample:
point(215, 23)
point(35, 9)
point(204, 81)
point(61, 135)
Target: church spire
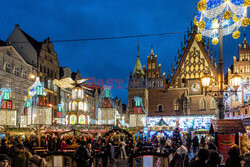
point(152, 51)
point(137, 49)
point(138, 70)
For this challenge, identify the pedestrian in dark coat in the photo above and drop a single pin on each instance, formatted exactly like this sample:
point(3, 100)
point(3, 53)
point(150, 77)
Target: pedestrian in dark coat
point(234, 157)
point(203, 156)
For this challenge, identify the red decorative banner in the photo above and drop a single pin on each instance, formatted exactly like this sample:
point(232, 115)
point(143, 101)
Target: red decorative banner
point(225, 142)
point(7, 104)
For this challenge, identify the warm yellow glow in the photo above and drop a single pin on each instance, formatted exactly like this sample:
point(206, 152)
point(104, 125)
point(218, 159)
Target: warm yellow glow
point(206, 81)
point(32, 76)
point(235, 81)
point(215, 24)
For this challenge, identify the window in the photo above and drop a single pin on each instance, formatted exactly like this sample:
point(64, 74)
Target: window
point(176, 105)
point(82, 119)
point(25, 74)
point(17, 106)
point(202, 105)
point(7, 67)
point(133, 103)
point(55, 88)
point(17, 89)
point(41, 68)
point(8, 53)
point(74, 107)
point(73, 119)
point(80, 105)
point(8, 84)
point(17, 71)
point(160, 108)
point(0, 83)
point(212, 104)
point(246, 112)
point(49, 84)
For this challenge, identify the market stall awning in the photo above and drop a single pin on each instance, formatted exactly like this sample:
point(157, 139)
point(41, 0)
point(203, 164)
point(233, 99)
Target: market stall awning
point(227, 126)
point(162, 123)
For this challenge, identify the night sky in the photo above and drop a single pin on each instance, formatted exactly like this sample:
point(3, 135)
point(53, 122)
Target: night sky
point(108, 59)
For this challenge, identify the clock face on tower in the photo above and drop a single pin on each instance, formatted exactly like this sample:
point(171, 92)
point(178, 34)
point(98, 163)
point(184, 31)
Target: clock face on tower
point(195, 87)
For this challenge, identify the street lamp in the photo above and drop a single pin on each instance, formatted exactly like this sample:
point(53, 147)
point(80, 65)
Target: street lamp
point(216, 19)
point(236, 81)
point(206, 81)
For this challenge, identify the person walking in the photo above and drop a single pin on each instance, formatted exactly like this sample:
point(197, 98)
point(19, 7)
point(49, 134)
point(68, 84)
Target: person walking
point(123, 149)
point(36, 161)
point(21, 156)
point(234, 157)
point(81, 156)
point(203, 156)
point(195, 142)
point(180, 158)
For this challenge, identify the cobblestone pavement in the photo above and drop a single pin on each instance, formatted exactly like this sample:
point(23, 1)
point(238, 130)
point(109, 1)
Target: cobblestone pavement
point(119, 163)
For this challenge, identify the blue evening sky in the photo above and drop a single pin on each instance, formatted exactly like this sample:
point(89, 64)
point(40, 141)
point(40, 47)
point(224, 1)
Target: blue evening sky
point(107, 59)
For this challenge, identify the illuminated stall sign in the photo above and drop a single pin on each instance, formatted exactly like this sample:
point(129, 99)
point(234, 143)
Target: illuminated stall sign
point(60, 113)
point(8, 117)
point(39, 100)
point(23, 121)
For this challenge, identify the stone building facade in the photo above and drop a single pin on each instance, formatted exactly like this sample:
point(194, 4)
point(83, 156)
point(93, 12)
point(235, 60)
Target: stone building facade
point(238, 105)
point(40, 55)
point(180, 92)
point(16, 74)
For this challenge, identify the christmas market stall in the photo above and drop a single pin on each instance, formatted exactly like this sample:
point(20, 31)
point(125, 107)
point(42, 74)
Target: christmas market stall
point(161, 129)
point(227, 132)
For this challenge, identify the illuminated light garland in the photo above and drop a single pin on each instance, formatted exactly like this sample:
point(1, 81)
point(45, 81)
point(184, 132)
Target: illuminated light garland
point(231, 14)
point(236, 34)
point(245, 22)
point(198, 37)
point(215, 41)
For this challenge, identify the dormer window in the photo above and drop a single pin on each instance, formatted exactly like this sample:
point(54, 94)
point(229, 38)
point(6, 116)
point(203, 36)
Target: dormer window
point(7, 67)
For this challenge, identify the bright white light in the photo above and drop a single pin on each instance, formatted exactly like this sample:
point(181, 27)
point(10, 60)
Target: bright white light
point(85, 107)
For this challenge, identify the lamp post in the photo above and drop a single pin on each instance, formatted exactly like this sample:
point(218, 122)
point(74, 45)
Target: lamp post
point(216, 19)
point(219, 95)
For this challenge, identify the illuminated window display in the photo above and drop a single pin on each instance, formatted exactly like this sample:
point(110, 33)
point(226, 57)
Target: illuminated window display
point(82, 119)
point(80, 105)
point(73, 119)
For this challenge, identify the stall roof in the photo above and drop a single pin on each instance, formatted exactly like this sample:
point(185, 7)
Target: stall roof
point(162, 123)
point(227, 126)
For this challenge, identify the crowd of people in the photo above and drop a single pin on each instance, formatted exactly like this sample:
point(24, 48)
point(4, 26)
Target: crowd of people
point(181, 151)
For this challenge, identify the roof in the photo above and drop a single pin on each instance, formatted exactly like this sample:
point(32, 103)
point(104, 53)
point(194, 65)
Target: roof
point(37, 45)
point(162, 123)
point(138, 67)
point(227, 126)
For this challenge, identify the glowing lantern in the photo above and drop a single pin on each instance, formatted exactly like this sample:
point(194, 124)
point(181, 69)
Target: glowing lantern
point(236, 34)
point(215, 41)
point(202, 5)
point(227, 15)
point(245, 22)
point(235, 81)
point(206, 81)
point(198, 37)
point(202, 25)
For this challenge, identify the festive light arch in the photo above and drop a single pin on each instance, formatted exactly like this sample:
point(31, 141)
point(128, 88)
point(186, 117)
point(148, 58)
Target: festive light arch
point(231, 14)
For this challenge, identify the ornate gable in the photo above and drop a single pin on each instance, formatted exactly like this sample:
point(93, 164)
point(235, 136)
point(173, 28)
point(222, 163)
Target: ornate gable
point(194, 63)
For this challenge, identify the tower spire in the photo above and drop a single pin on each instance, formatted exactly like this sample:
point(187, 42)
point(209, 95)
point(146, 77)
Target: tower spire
point(151, 49)
point(137, 48)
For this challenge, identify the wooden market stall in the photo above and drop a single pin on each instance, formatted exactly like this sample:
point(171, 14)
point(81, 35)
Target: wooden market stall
point(227, 132)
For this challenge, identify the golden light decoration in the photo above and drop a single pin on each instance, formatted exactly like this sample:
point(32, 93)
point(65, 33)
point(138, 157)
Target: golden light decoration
point(235, 18)
point(202, 25)
point(195, 21)
point(215, 41)
point(245, 22)
point(236, 34)
point(246, 3)
point(202, 5)
point(227, 15)
point(198, 37)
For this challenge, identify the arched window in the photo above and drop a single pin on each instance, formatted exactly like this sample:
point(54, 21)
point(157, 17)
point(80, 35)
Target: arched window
point(82, 119)
point(7, 67)
point(202, 105)
point(85, 107)
point(74, 107)
point(80, 105)
point(74, 93)
point(73, 119)
point(79, 93)
point(212, 104)
point(176, 105)
point(159, 108)
point(88, 120)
